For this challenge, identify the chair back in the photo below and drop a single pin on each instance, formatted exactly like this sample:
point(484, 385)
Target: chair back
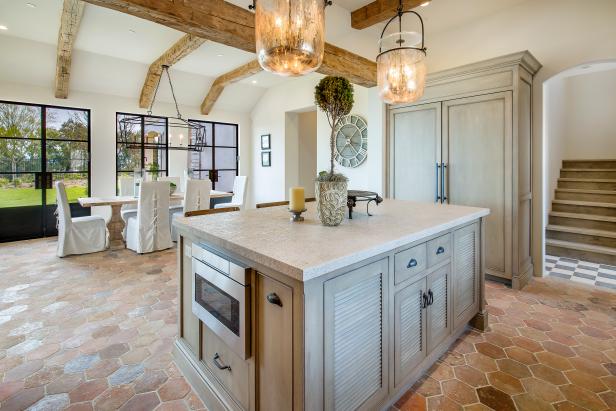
point(197, 195)
point(126, 185)
point(239, 190)
point(185, 178)
point(153, 215)
point(174, 180)
point(63, 211)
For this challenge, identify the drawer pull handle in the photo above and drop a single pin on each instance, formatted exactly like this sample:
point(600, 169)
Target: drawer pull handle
point(440, 250)
point(219, 365)
point(412, 263)
point(273, 298)
point(430, 297)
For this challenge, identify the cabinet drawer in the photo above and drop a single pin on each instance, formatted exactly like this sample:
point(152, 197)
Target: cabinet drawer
point(409, 263)
point(236, 379)
point(439, 249)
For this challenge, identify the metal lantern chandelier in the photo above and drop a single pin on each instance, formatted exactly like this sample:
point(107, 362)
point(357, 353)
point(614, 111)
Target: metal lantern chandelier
point(194, 131)
point(290, 35)
point(401, 67)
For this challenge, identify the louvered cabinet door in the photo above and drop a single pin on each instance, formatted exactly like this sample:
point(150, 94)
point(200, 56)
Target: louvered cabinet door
point(409, 330)
point(439, 308)
point(466, 272)
point(355, 334)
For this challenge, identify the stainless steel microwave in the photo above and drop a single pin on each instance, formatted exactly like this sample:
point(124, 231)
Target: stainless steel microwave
point(221, 297)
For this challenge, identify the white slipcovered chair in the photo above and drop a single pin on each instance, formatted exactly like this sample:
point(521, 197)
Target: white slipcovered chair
point(197, 197)
point(239, 194)
point(174, 180)
point(148, 229)
point(79, 235)
point(126, 186)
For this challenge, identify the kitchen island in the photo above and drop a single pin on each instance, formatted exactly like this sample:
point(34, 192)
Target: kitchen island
point(275, 315)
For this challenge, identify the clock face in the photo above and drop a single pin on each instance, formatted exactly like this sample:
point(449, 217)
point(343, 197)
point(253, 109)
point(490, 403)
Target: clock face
point(351, 141)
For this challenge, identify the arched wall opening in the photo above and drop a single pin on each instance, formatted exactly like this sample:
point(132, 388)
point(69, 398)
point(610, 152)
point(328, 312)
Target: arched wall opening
point(579, 123)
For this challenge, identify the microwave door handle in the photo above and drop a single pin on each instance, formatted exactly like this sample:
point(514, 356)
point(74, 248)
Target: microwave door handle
point(218, 364)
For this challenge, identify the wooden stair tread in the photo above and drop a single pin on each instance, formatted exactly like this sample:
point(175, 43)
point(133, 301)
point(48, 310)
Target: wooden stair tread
point(583, 216)
point(580, 230)
point(584, 203)
point(589, 169)
point(581, 247)
point(588, 180)
point(590, 160)
point(585, 191)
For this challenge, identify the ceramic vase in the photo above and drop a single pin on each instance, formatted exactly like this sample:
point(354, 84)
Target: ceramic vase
point(331, 199)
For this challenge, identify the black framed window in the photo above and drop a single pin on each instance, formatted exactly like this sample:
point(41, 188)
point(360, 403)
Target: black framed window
point(219, 159)
point(40, 145)
point(141, 143)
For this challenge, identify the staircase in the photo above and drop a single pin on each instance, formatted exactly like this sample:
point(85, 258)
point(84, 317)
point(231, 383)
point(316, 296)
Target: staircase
point(582, 224)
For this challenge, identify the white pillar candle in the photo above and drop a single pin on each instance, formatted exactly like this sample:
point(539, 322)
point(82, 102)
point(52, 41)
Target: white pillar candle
point(296, 198)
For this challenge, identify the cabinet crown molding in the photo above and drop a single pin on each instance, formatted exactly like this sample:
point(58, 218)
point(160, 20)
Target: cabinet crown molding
point(521, 58)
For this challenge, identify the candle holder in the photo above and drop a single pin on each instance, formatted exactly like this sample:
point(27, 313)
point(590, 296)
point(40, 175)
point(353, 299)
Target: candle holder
point(296, 216)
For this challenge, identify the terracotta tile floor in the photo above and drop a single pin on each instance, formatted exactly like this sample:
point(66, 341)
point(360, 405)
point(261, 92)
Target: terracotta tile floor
point(96, 332)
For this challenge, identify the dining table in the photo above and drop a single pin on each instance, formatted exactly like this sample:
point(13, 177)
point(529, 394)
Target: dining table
point(115, 225)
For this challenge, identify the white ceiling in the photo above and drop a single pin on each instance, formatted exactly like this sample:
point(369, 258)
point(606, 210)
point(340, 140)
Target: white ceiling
point(121, 37)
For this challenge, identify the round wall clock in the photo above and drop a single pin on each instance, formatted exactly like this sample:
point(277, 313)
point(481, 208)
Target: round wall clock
point(351, 141)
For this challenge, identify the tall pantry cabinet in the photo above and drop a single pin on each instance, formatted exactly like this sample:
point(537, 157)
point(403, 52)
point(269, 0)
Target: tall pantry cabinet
point(468, 142)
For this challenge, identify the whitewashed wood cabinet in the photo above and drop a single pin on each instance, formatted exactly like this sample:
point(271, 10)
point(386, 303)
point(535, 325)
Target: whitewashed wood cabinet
point(354, 339)
point(468, 142)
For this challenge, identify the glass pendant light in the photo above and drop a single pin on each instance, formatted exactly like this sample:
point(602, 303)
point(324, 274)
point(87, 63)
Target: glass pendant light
point(290, 35)
point(400, 65)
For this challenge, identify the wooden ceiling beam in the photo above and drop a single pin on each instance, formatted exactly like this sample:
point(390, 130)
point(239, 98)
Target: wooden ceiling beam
point(233, 26)
point(379, 11)
point(72, 12)
point(183, 47)
point(221, 82)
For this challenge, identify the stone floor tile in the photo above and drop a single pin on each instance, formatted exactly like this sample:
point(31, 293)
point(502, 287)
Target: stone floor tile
point(495, 399)
point(481, 362)
point(555, 361)
point(513, 368)
point(521, 355)
point(609, 398)
point(174, 389)
point(548, 374)
point(585, 380)
point(51, 402)
point(505, 382)
point(542, 390)
point(103, 368)
point(114, 350)
point(411, 401)
point(126, 374)
point(88, 390)
point(527, 402)
point(583, 397)
point(81, 363)
point(64, 384)
point(23, 399)
point(9, 388)
point(490, 350)
point(558, 349)
point(142, 402)
point(470, 376)
point(442, 403)
point(113, 398)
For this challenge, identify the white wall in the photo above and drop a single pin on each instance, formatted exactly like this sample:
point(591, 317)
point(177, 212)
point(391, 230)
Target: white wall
point(270, 117)
point(103, 117)
point(560, 34)
point(554, 131)
point(307, 149)
point(590, 116)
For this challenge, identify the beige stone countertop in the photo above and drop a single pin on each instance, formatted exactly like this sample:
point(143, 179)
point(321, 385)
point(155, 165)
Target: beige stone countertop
point(307, 249)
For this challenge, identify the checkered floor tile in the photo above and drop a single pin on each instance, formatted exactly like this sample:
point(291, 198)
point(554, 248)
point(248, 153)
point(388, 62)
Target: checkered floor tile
point(601, 275)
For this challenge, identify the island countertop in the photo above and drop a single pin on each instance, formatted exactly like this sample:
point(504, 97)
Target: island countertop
point(307, 249)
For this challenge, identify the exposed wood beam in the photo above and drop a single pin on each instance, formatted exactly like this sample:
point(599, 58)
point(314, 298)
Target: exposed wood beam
point(183, 47)
point(379, 11)
point(72, 11)
point(221, 82)
point(357, 69)
point(233, 26)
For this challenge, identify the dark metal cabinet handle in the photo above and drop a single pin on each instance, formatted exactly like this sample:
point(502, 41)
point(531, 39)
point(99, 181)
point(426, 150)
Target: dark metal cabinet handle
point(273, 298)
point(430, 297)
point(440, 250)
point(443, 194)
point(437, 197)
point(425, 300)
point(412, 263)
point(219, 365)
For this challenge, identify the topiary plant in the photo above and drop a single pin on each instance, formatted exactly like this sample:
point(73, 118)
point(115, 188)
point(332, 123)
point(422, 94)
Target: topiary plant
point(334, 96)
